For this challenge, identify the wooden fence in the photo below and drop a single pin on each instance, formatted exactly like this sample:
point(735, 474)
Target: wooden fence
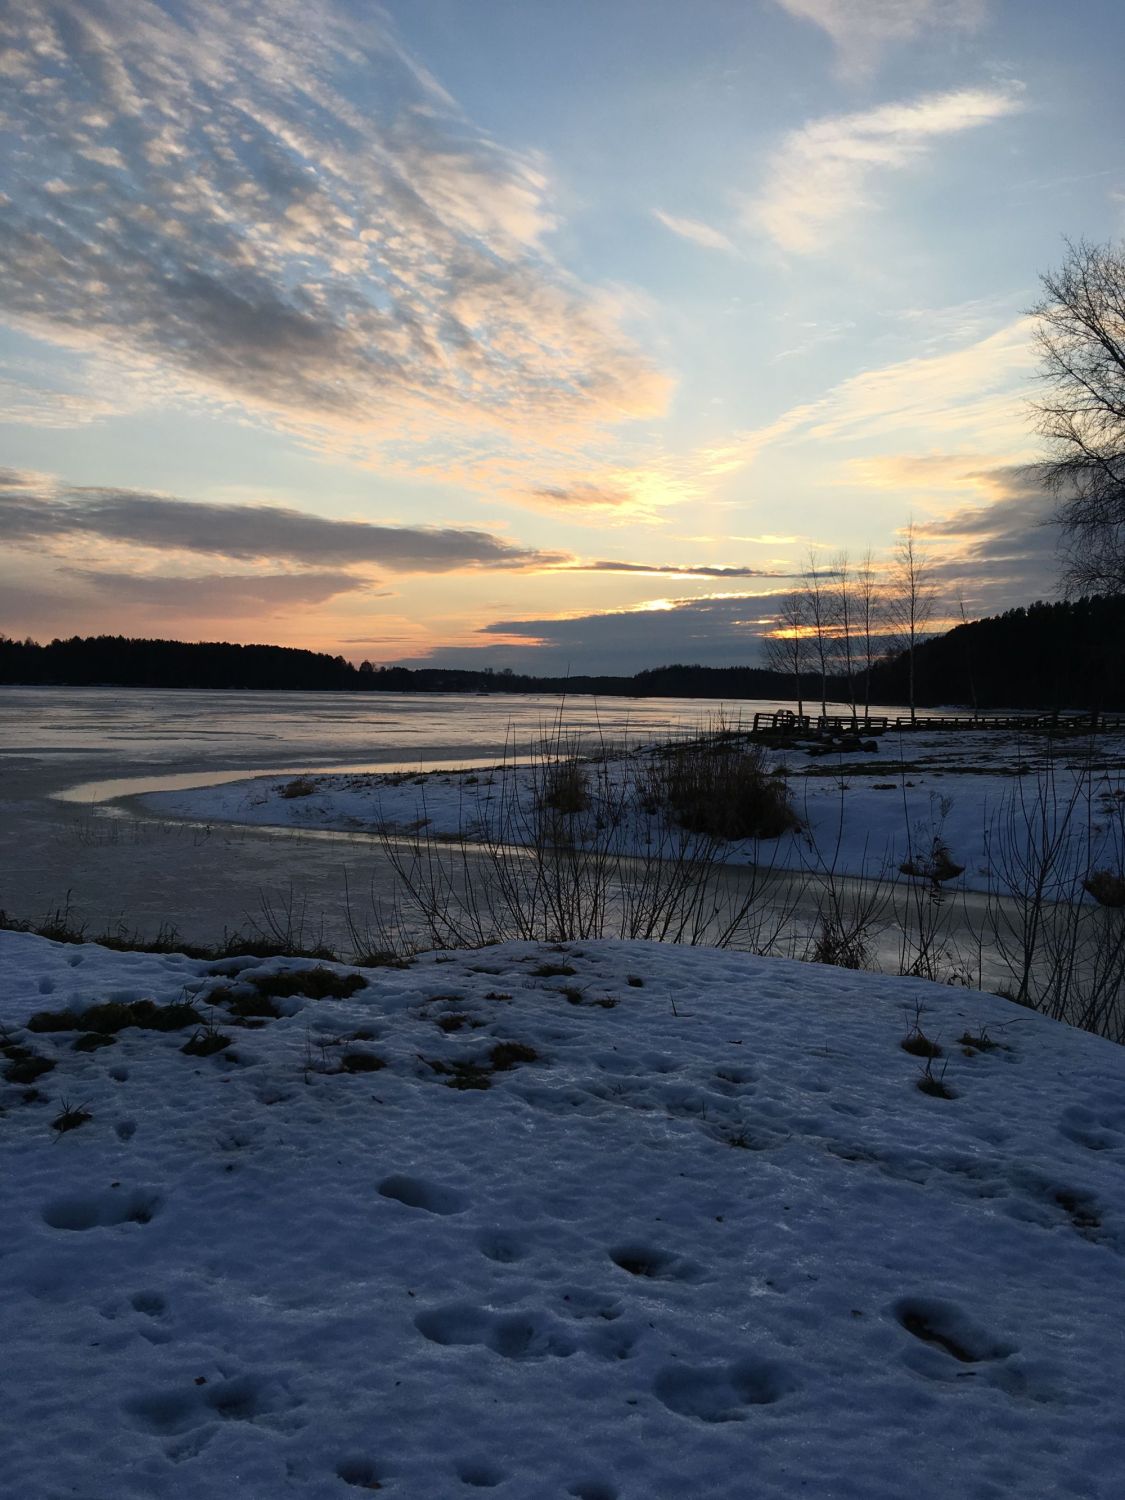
point(787, 722)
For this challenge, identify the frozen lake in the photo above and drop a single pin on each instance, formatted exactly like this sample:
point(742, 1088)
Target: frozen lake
point(69, 754)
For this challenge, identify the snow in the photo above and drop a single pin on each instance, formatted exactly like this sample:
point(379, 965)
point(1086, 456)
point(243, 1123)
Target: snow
point(709, 1240)
point(980, 793)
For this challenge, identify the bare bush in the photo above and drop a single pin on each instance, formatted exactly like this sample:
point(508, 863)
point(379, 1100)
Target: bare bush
point(721, 787)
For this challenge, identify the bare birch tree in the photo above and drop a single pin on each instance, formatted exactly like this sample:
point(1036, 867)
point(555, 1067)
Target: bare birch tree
point(911, 601)
point(819, 600)
point(786, 647)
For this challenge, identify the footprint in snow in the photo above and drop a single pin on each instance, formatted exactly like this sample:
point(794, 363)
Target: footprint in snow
point(1096, 1130)
point(102, 1210)
point(482, 1476)
point(151, 1304)
point(415, 1192)
point(504, 1246)
point(518, 1335)
point(643, 1259)
point(243, 1398)
point(942, 1326)
point(361, 1473)
point(46, 986)
point(125, 1130)
point(722, 1393)
point(583, 1302)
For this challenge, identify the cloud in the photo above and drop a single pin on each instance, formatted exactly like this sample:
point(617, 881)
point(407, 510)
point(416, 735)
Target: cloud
point(972, 398)
point(721, 630)
point(704, 570)
point(273, 207)
point(32, 510)
point(1001, 554)
point(820, 174)
point(26, 405)
point(223, 595)
point(861, 29)
point(695, 231)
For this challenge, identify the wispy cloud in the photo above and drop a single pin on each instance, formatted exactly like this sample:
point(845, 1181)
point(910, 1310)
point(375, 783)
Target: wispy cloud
point(656, 570)
point(695, 231)
point(272, 206)
point(821, 174)
point(970, 401)
point(222, 595)
point(33, 510)
point(862, 29)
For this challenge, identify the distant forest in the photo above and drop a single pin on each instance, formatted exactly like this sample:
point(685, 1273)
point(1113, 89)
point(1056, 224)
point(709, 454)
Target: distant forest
point(1066, 655)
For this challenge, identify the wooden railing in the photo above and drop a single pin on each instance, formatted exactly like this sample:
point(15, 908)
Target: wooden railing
point(785, 721)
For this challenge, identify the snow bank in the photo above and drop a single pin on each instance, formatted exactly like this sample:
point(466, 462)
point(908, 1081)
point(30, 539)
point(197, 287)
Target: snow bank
point(980, 794)
point(614, 1220)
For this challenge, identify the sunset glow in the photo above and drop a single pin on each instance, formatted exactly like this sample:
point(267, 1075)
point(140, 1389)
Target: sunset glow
point(543, 336)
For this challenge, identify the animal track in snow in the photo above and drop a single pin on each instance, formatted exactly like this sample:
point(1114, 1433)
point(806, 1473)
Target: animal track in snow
point(125, 1130)
point(944, 1326)
point(657, 1265)
point(722, 1393)
point(1097, 1131)
point(505, 1246)
point(415, 1192)
point(581, 1302)
point(243, 1398)
point(102, 1210)
point(360, 1472)
point(518, 1335)
point(151, 1304)
point(482, 1476)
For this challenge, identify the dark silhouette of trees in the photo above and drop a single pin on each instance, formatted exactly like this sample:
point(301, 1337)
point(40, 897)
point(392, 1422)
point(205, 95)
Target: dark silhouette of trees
point(1081, 338)
point(1066, 655)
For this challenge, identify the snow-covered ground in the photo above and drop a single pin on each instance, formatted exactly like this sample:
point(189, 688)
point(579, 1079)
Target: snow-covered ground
point(982, 794)
point(610, 1220)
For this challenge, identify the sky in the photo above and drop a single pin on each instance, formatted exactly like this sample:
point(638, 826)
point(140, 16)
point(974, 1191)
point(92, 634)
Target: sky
point(515, 333)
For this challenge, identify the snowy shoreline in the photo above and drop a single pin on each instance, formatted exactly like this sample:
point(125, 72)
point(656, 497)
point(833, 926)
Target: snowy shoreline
point(598, 1219)
point(861, 814)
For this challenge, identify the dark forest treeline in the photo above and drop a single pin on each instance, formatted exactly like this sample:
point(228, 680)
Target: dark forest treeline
point(122, 662)
point(1066, 655)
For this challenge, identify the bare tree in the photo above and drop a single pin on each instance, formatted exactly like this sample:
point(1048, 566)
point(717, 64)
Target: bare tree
point(868, 610)
point(843, 611)
point(911, 600)
point(818, 597)
point(786, 647)
point(1081, 338)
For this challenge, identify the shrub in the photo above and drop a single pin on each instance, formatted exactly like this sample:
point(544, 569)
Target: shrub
point(1107, 887)
point(565, 789)
point(300, 786)
point(721, 788)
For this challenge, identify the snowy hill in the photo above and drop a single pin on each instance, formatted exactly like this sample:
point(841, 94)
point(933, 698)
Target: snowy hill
point(614, 1220)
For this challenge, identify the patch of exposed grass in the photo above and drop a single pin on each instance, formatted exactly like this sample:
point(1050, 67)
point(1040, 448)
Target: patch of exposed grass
point(70, 1118)
point(90, 1041)
point(356, 1060)
point(554, 971)
point(978, 1041)
point(918, 1044)
point(116, 1015)
point(28, 1068)
point(934, 1084)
